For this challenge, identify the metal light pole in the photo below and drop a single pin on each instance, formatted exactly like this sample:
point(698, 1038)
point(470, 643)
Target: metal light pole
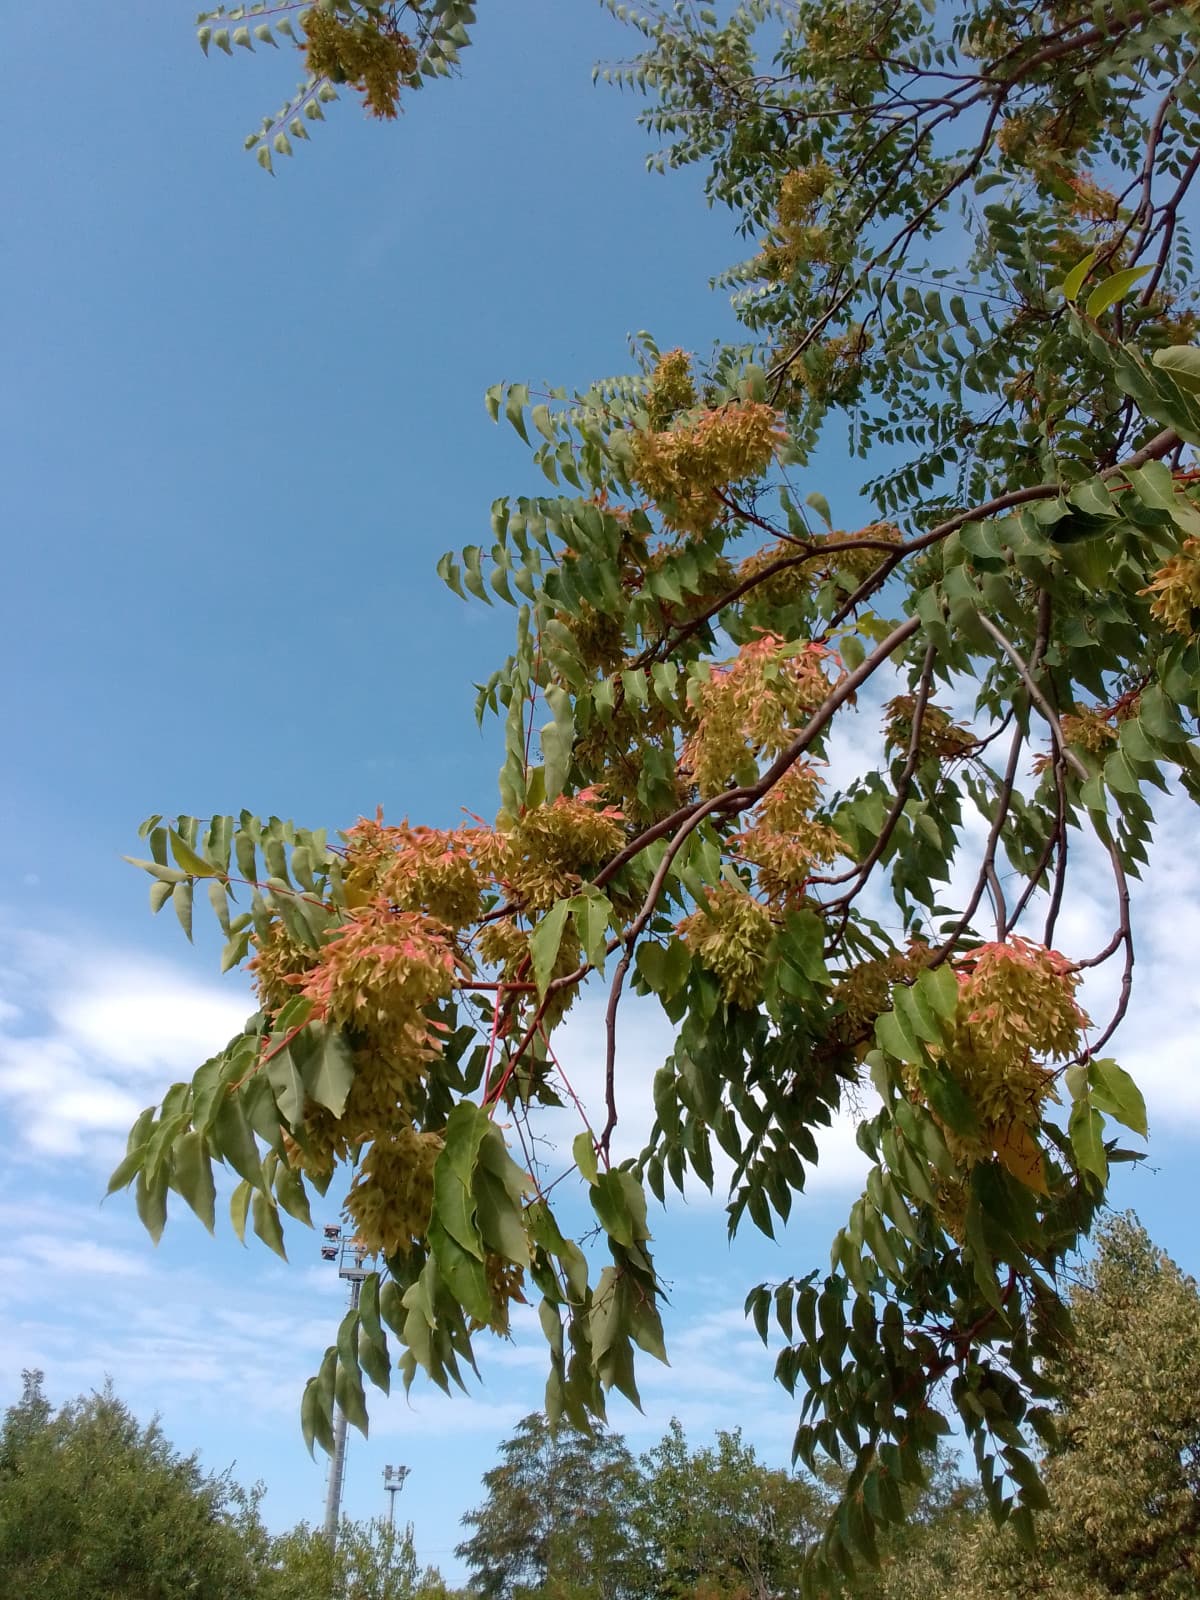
point(393, 1482)
point(348, 1253)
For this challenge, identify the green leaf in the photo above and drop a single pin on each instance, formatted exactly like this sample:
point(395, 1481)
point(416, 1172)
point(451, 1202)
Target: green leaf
point(134, 1146)
point(373, 1359)
point(125, 1171)
point(167, 875)
point(195, 866)
point(517, 400)
point(494, 1158)
point(917, 1017)
point(949, 1100)
point(645, 1323)
point(896, 1038)
point(584, 1151)
point(821, 506)
point(160, 893)
point(287, 1084)
point(314, 1422)
point(611, 1205)
point(235, 1140)
point(1073, 281)
point(590, 912)
point(265, 1217)
point(1112, 289)
point(193, 1176)
point(323, 1397)
point(293, 1015)
point(853, 651)
point(368, 1308)
point(239, 1206)
point(1182, 361)
point(453, 1176)
point(328, 1071)
point(500, 1218)
point(181, 895)
point(557, 739)
point(289, 1191)
point(151, 1200)
point(1114, 1091)
point(347, 1384)
point(1086, 1130)
point(461, 1271)
point(501, 1187)
point(650, 961)
point(979, 1252)
point(940, 988)
point(545, 941)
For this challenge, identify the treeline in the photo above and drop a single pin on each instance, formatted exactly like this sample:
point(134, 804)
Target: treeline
point(93, 1506)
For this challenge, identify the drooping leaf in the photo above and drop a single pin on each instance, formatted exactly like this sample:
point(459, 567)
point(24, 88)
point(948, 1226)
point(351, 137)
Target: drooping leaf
point(193, 1176)
point(1114, 1091)
point(545, 941)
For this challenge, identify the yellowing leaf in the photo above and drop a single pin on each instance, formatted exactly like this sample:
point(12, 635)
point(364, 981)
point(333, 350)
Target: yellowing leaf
point(543, 946)
point(195, 866)
point(1020, 1152)
point(1073, 281)
point(1112, 289)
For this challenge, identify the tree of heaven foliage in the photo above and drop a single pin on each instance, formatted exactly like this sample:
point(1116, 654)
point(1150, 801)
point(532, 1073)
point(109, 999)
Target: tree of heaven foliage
point(384, 49)
point(1123, 1472)
point(967, 246)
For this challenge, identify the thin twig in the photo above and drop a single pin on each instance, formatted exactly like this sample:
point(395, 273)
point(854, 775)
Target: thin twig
point(1003, 802)
point(1036, 695)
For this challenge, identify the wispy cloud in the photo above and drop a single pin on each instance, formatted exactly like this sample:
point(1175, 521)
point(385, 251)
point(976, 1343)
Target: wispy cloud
point(645, 1038)
point(89, 1035)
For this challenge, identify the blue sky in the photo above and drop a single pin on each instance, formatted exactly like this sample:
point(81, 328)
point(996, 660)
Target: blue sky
point(242, 419)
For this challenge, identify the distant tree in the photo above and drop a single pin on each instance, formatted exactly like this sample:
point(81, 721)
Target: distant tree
point(371, 1561)
point(24, 1421)
point(93, 1506)
point(1123, 1479)
point(716, 1523)
point(555, 1520)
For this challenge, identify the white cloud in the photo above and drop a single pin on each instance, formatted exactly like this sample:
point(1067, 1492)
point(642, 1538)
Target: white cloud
point(429, 1412)
point(145, 1018)
point(87, 1037)
point(1157, 1042)
point(645, 1037)
point(842, 1165)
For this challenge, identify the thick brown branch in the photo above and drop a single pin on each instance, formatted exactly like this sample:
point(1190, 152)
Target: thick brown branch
point(1065, 42)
